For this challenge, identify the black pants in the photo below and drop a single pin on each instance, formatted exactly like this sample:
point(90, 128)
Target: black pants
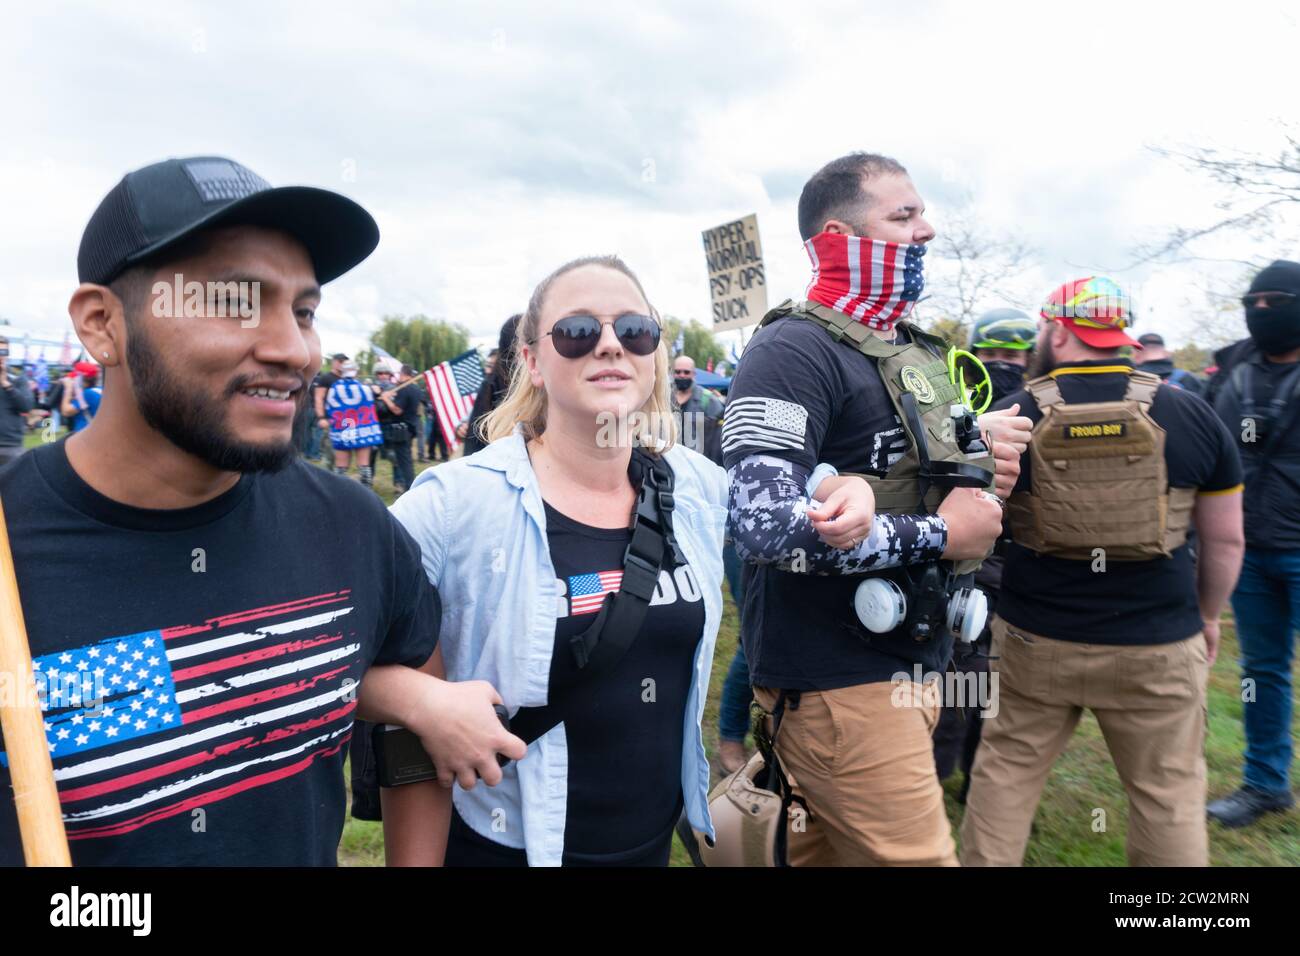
point(465, 847)
point(403, 467)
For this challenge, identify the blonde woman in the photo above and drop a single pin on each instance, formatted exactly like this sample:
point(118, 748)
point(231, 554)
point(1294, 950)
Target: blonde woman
point(524, 540)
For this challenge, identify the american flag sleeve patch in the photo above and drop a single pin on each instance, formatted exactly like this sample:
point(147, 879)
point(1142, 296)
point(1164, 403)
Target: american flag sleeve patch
point(764, 423)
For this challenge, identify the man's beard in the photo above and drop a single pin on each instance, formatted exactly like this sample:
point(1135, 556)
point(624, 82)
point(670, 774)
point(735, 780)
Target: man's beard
point(193, 422)
point(1043, 360)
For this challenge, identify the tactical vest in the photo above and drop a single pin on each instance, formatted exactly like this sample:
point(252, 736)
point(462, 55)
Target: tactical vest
point(918, 367)
point(1099, 479)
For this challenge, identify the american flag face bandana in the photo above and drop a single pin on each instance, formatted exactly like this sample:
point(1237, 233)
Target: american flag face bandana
point(877, 283)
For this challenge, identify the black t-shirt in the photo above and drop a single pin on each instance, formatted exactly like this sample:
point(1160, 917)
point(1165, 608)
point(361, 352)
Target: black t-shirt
point(408, 400)
point(826, 402)
point(1132, 602)
point(202, 663)
point(323, 380)
point(625, 731)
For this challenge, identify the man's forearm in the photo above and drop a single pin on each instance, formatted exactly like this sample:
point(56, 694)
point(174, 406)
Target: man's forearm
point(391, 693)
point(1217, 569)
point(769, 524)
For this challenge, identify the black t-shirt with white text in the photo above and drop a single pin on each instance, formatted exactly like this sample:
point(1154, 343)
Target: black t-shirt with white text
point(201, 665)
point(1131, 602)
point(624, 730)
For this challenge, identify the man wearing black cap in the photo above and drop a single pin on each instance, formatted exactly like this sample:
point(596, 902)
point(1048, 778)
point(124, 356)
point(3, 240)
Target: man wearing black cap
point(1157, 360)
point(320, 387)
point(200, 685)
point(1257, 394)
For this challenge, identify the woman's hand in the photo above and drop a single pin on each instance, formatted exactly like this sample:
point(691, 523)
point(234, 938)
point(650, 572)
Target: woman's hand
point(847, 511)
point(460, 731)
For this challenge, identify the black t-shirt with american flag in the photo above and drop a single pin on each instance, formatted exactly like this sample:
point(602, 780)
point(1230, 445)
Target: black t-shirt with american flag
point(799, 398)
point(200, 666)
point(625, 732)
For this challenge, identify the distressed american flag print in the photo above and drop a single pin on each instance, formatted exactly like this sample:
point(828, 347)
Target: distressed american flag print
point(145, 726)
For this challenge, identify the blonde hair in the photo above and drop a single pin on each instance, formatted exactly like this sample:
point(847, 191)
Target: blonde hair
point(525, 403)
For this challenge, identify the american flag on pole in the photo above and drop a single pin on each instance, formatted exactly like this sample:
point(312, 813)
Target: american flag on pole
point(453, 386)
point(587, 591)
point(143, 727)
point(385, 361)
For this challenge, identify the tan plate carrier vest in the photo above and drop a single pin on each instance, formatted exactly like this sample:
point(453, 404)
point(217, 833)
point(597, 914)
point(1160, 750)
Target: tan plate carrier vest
point(919, 367)
point(1099, 479)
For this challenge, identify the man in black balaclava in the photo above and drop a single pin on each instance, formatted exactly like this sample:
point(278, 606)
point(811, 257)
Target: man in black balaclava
point(1257, 394)
point(1003, 340)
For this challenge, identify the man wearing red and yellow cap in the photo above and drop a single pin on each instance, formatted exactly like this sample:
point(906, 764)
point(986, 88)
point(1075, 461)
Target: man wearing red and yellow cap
point(1102, 606)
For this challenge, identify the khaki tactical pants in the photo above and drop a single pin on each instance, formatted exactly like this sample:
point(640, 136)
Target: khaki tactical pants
point(862, 760)
point(1150, 703)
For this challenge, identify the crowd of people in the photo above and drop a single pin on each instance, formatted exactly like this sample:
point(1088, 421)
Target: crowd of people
point(517, 653)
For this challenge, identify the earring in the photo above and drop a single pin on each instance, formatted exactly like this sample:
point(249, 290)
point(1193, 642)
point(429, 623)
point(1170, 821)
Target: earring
point(105, 355)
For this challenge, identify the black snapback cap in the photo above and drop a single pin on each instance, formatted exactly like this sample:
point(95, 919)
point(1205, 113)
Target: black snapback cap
point(161, 205)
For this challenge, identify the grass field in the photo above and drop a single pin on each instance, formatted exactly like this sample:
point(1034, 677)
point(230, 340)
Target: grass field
point(1082, 780)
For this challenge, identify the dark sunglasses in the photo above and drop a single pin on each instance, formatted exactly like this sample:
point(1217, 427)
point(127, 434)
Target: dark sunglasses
point(1274, 300)
point(576, 335)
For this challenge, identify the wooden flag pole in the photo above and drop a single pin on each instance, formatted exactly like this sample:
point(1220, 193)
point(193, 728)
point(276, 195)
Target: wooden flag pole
point(397, 388)
point(40, 817)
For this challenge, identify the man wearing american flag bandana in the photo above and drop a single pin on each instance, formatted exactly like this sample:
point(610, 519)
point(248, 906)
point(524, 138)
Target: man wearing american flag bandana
point(806, 404)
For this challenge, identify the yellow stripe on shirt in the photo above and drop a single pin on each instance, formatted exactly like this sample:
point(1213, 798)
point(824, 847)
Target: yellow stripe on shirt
point(1234, 490)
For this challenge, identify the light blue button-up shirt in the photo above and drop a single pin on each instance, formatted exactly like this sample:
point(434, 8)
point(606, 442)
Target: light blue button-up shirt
point(481, 528)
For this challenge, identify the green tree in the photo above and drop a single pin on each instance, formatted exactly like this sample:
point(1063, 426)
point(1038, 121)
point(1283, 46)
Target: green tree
point(698, 341)
point(949, 328)
point(1192, 357)
point(420, 341)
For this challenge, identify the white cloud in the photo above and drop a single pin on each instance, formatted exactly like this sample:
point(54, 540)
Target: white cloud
point(496, 141)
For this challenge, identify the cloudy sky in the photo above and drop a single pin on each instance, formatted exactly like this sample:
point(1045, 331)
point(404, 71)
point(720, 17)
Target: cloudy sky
point(494, 141)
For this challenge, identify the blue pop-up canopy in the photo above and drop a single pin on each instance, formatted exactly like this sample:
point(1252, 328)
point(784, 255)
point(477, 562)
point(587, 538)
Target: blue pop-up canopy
point(706, 379)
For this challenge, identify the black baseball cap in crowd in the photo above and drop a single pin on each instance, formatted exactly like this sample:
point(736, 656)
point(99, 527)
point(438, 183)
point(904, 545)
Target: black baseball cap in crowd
point(1151, 338)
point(161, 205)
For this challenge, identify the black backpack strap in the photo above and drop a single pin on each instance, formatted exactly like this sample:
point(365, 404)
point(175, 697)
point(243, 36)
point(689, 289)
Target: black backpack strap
point(1285, 401)
point(1282, 406)
point(1243, 386)
point(603, 644)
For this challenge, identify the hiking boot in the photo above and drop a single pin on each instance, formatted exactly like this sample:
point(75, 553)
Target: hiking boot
point(1247, 805)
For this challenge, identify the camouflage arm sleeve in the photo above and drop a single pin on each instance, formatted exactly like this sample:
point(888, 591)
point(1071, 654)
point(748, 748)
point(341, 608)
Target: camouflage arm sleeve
point(769, 524)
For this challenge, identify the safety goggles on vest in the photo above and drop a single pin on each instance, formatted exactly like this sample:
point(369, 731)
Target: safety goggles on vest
point(1099, 479)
